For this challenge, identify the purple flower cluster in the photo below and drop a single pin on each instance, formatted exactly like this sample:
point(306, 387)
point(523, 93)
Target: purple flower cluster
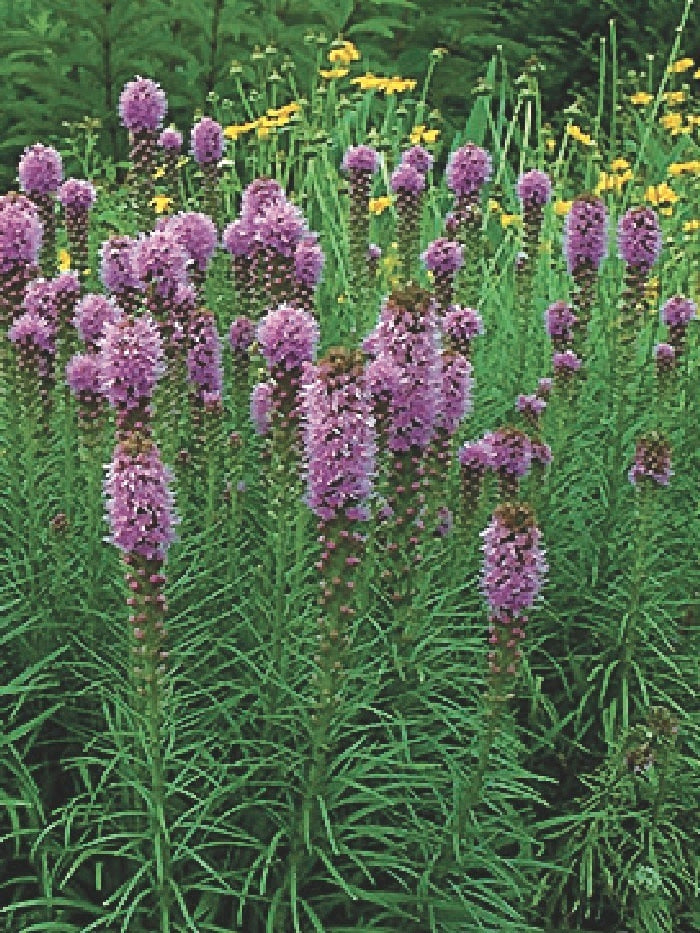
point(308, 261)
point(360, 159)
point(407, 180)
point(118, 265)
point(279, 228)
point(510, 452)
point(460, 326)
point(92, 313)
point(455, 398)
point(142, 105)
point(288, 338)
point(560, 320)
point(586, 233)
point(204, 367)
point(20, 233)
point(77, 195)
point(531, 407)
point(338, 433)
point(241, 336)
point(207, 141)
point(83, 379)
point(652, 461)
point(33, 336)
point(418, 158)
point(170, 140)
point(160, 261)
point(665, 358)
point(140, 504)
point(678, 312)
point(196, 233)
point(468, 170)
point(259, 194)
point(261, 407)
point(534, 189)
point(39, 298)
point(40, 170)
point(514, 563)
point(639, 237)
point(443, 256)
point(474, 459)
point(131, 362)
point(565, 363)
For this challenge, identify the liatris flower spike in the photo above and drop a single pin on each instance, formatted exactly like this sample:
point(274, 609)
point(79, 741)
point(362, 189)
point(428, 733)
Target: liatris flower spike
point(261, 405)
point(119, 273)
point(444, 258)
point(676, 314)
point(308, 265)
point(33, 341)
point(77, 198)
point(652, 461)
point(241, 337)
point(585, 246)
point(198, 236)
point(20, 243)
point(468, 170)
point(360, 163)
point(531, 407)
point(142, 107)
point(418, 158)
point(91, 315)
point(566, 364)
point(534, 190)
point(510, 457)
point(408, 185)
point(639, 243)
point(170, 142)
point(460, 326)
point(83, 379)
point(560, 322)
point(40, 175)
point(279, 229)
point(208, 148)
point(241, 241)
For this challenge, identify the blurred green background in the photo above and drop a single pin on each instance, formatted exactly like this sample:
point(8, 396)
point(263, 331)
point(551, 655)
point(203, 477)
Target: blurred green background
point(62, 60)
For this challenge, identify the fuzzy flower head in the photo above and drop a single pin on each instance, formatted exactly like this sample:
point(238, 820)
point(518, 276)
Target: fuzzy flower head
point(279, 228)
point(534, 189)
point(170, 140)
point(468, 170)
point(40, 170)
point(383, 379)
point(586, 233)
point(678, 312)
point(20, 233)
point(92, 313)
point(460, 326)
point(418, 158)
point(261, 402)
point(456, 391)
point(510, 451)
point(531, 407)
point(652, 461)
point(160, 260)
point(32, 333)
point(39, 298)
point(77, 195)
point(118, 265)
point(639, 237)
point(204, 368)
point(139, 501)
point(361, 159)
point(544, 387)
point(475, 456)
point(559, 322)
point(142, 105)
point(259, 194)
point(664, 357)
point(407, 180)
point(196, 233)
point(566, 363)
point(131, 362)
point(541, 453)
point(338, 433)
point(240, 238)
point(83, 375)
point(308, 261)
point(241, 336)
point(207, 141)
point(514, 564)
point(288, 338)
point(443, 256)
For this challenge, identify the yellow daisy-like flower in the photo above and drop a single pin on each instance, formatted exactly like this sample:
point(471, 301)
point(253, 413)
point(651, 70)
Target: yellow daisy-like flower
point(430, 136)
point(333, 73)
point(509, 220)
point(641, 98)
point(161, 203)
point(419, 134)
point(691, 226)
point(681, 168)
point(367, 82)
point(674, 97)
point(619, 165)
point(379, 205)
point(494, 206)
point(577, 133)
point(239, 129)
point(159, 173)
point(562, 208)
point(63, 260)
point(263, 131)
point(696, 74)
point(551, 144)
point(666, 211)
point(662, 194)
point(671, 121)
point(370, 82)
point(693, 119)
point(183, 160)
point(683, 64)
point(345, 54)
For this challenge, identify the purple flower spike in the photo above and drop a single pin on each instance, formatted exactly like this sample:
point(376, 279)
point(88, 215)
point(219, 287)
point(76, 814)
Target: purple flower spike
point(460, 326)
point(207, 141)
point(665, 358)
point(511, 451)
point(418, 158)
point(443, 256)
point(407, 180)
point(33, 334)
point(140, 504)
point(541, 453)
point(118, 266)
point(241, 336)
point(586, 233)
point(652, 461)
point(83, 376)
point(161, 261)
point(534, 188)
point(288, 338)
point(514, 562)
point(279, 228)
point(559, 321)
point(308, 261)
point(566, 362)
point(142, 105)
point(20, 234)
point(170, 140)
point(677, 314)
point(240, 238)
point(39, 298)
point(261, 402)
point(259, 194)
point(338, 432)
point(196, 233)
point(531, 407)
point(40, 170)
point(91, 316)
point(131, 362)
point(77, 195)
point(468, 170)
point(360, 159)
point(204, 368)
point(455, 400)
point(639, 237)
point(544, 388)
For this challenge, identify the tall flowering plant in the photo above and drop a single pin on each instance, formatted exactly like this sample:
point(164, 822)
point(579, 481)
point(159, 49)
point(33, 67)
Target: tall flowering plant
point(360, 163)
point(468, 170)
point(585, 247)
point(207, 148)
point(534, 190)
point(119, 273)
point(443, 258)
point(639, 242)
point(170, 145)
point(142, 107)
point(40, 175)
point(408, 185)
point(77, 198)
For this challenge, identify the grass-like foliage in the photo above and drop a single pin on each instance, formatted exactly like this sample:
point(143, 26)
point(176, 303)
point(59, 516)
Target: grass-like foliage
point(488, 719)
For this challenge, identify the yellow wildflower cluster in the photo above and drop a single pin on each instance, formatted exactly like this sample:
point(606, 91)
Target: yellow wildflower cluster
point(577, 133)
point(683, 64)
point(691, 226)
point(161, 203)
point(683, 168)
point(509, 220)
point(345, 54)
point(562, 208)
point(641, 98)
point(332, 74)
point(419, 134)
point(273, 118)
point(614, 180)
point(651, 293)
point(674, 97)
point(63, 260)
point(673, 122)
point(696, 74)
point(662, 196)
point(379, 205)
point(370, 82)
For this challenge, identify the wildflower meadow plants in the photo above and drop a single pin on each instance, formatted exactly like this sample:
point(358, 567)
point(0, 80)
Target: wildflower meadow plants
point(347, 534)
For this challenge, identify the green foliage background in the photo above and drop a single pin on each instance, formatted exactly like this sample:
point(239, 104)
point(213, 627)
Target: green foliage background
point(63, 61)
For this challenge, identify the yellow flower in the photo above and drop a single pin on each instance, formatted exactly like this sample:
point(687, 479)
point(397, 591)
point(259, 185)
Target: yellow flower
point(263, 131)
point(494, 205)
point(370, 82)
point(651, 290)
point(183, 160)
point(683, 64)
point(576, 133)
point(344, 55)
point(379, 205)
point(161, 203)
point(63, 260)
point(691, 226)
point(660, 194)
point(696, 74)
point(667, 211)
point(367, 82)
point(693, 120)
point(551, 144)
point(619, 165)
point(419, 134)
point(561, 208)
point(641, 98)
point(159, 172)
point(671, 121)
point(508, 220)
point(430, 136)
point(333, 73)
point(341, 299)
point(679, 168)
point(238, 129)
point(674, 97)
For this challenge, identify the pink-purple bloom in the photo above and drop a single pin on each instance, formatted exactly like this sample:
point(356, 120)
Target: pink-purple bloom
point(639, 237)
point(204, 367)
point(207, 141)
point(678, 312)
point(407, 180)
point(559, 321)
point(288, 338)
point(77, 195)
point(131, 362)
point(566, 362)
point(33, 334)
point(241, 335)
point(455, 396)
point(91, 315)
point(443, 256)
point(460, 326)
point(279, 228)
point(531, 406)
point(360, 159)
point(418, 158)
point(308, 261)
point(261, 403)
point(468, 170)
point(196, 233)
point(586, 233)
point(20, 233)
point(510, 451)
point(170, 140)
point(142, 105)
point(240, 237)
point(40, 170)
point(161, 261)
point(652, 461)
point(118, 269)
point(83, 376)
point(534, 188)
point(260, 193)
point(514, 562)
